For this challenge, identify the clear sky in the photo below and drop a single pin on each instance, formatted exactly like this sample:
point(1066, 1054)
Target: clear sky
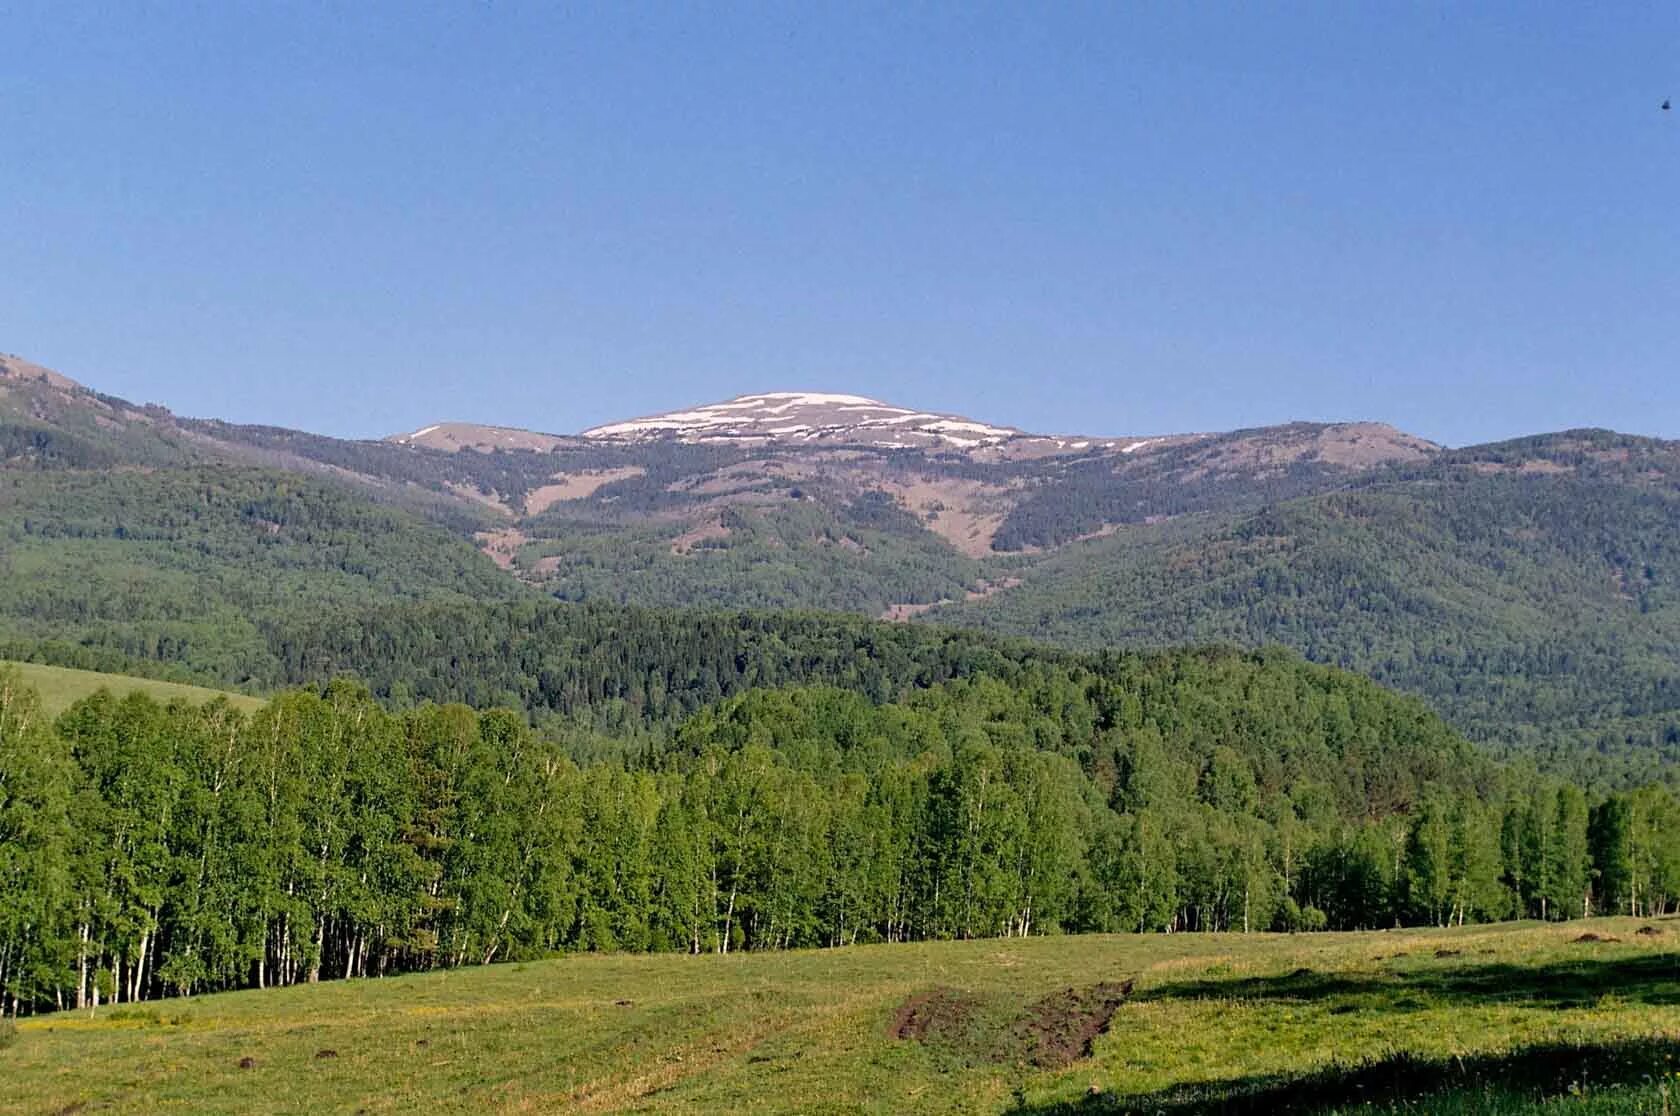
point(1117, 219)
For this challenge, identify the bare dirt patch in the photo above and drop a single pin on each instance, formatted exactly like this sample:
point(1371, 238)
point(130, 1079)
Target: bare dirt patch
point(501, 545)
point(1051, 1033)
point(939, 1013)
point(1537, 467)
point(488, 499)
point(965, 513)
point(904, 611)
point(1058, 1030)
point(453, 436)
point(898, 613)
point(576, 486)
point(708, 531)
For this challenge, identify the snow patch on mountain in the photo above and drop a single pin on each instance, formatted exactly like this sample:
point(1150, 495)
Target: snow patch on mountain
point(807, 416)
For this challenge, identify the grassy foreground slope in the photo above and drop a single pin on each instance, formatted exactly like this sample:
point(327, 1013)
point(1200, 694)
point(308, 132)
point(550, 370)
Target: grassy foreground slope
point(1480, 1019)
point(61, 687)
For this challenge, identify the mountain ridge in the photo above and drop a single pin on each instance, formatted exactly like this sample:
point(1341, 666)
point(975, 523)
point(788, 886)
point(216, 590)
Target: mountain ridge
point(1529, 588)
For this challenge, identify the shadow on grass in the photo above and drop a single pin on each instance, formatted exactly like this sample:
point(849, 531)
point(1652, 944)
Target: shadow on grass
point(1509, 1082)
point(1652, 978)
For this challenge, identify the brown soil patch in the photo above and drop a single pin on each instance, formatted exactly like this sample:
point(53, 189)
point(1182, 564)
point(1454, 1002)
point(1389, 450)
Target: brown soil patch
point(1360, 445)
point(501, 545)
point(699, 533)
point(453, 436)
point(965, 513)
point(1539, 466)
point(576, 486)
point(1058, 1030)
point(16, 368)
point(941, 1013)
point(901, 612)
point(488, 499)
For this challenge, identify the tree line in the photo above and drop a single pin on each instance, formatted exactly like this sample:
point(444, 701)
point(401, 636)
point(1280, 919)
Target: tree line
point(149, 850)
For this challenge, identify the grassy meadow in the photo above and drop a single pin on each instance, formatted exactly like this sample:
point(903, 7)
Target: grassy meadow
point(62, 687)
point(1478, 1019)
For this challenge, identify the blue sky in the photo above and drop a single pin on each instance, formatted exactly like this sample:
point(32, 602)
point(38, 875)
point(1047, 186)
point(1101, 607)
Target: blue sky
point(1113, 219)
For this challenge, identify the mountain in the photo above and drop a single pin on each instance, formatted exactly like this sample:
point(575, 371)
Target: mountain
point(1530, 589)
point(1526, 589)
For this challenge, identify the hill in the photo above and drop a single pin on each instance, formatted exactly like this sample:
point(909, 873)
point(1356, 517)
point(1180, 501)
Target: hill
point(1484, 1020)
point(195, 565)
point(1528, 590)
point(61, 687)
point(1523, 588)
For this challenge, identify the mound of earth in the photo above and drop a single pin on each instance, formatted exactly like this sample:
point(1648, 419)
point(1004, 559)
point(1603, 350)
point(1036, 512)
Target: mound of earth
point(1050, 1033)
point(1059, 1029)
point(935, 1015)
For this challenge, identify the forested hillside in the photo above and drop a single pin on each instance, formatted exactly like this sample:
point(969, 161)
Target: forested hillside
point(621, 668)
point(195, 566)
point(153, 850)
point(1530, 591)
point(1526, 590)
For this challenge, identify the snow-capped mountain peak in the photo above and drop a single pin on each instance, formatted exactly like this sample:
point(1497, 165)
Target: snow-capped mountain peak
point(809, 416)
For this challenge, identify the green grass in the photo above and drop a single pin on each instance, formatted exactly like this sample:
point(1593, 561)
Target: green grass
point(62, 687)
point(1480, 1019)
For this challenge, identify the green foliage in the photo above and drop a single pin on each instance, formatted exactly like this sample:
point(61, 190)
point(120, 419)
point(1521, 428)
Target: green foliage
point(191, 566)
point(626, 667)
point(181, 848)
point(1086, 495)
point(1528, 591)
point(792, 555)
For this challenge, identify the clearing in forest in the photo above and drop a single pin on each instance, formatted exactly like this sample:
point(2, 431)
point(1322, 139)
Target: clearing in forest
point(1478, 1019)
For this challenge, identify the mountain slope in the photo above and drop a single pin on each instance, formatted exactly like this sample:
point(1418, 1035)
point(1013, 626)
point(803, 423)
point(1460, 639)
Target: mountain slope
point(192, 565)
point(1525, 588)
point(1530, 590)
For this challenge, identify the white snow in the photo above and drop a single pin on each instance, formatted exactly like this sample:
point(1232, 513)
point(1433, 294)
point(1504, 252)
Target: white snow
point(805, 415)
point(944, 425)
point(1135, 446)
point(818, 397)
